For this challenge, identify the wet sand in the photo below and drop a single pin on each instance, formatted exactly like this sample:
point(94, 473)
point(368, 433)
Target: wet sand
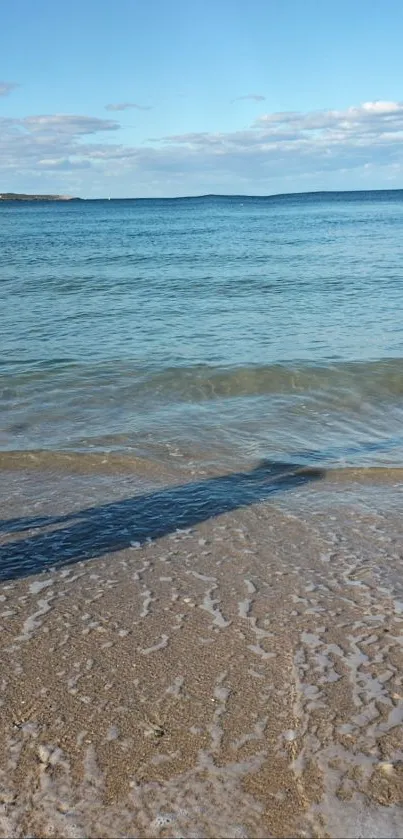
point(238, 677)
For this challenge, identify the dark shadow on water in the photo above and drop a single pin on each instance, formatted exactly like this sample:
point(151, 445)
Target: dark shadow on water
point(112, 527)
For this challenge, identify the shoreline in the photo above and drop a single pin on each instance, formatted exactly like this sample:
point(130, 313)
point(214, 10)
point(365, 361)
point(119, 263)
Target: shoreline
point(16, 196)
point(237, 677)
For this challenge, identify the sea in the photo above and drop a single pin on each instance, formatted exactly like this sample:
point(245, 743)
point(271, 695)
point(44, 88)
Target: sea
point(216, 330)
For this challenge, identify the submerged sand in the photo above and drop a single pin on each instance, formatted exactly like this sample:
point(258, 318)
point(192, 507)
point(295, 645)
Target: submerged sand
point(242, 677)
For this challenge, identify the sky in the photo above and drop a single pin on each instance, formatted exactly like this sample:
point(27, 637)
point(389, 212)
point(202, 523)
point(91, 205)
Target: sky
point(150, 98)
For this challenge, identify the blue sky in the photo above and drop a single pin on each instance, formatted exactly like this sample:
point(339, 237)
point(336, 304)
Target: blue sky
point(182, 97)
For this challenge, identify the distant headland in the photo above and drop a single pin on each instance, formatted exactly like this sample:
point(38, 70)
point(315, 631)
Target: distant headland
point(316, 195)
point(17, 196)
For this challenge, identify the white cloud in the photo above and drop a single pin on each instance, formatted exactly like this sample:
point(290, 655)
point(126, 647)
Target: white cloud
point(42, 139)
point(7, 87)
point(124, 106)
point(380, 107)
point(361, 118)
point(309, 145)
point(66, 124)
point(253, 97)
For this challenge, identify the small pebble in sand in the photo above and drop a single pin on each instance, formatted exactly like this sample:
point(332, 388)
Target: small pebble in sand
point(290, 735)
point(44, 754)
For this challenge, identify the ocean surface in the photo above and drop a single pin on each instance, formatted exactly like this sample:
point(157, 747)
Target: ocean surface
point(218, 331)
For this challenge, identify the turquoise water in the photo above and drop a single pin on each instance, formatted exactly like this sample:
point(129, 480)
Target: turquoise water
point(216, 330)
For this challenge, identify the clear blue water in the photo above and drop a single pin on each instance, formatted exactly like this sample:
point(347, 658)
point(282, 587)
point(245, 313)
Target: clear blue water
point(218, 330)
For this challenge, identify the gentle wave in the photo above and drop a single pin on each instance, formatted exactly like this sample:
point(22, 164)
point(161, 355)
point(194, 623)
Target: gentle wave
point(110, 463)
point(347, 382)
point(350, 413)
point(378, 379)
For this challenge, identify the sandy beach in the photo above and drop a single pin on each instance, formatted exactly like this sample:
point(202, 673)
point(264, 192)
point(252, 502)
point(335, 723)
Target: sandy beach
point(238, 677)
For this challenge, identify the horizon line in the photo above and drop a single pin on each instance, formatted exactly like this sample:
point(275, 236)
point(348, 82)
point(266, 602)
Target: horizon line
point(242, 195)
point(68, 198)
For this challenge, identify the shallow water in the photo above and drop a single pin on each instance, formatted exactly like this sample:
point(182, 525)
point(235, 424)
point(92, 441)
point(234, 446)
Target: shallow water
point(220, 329)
